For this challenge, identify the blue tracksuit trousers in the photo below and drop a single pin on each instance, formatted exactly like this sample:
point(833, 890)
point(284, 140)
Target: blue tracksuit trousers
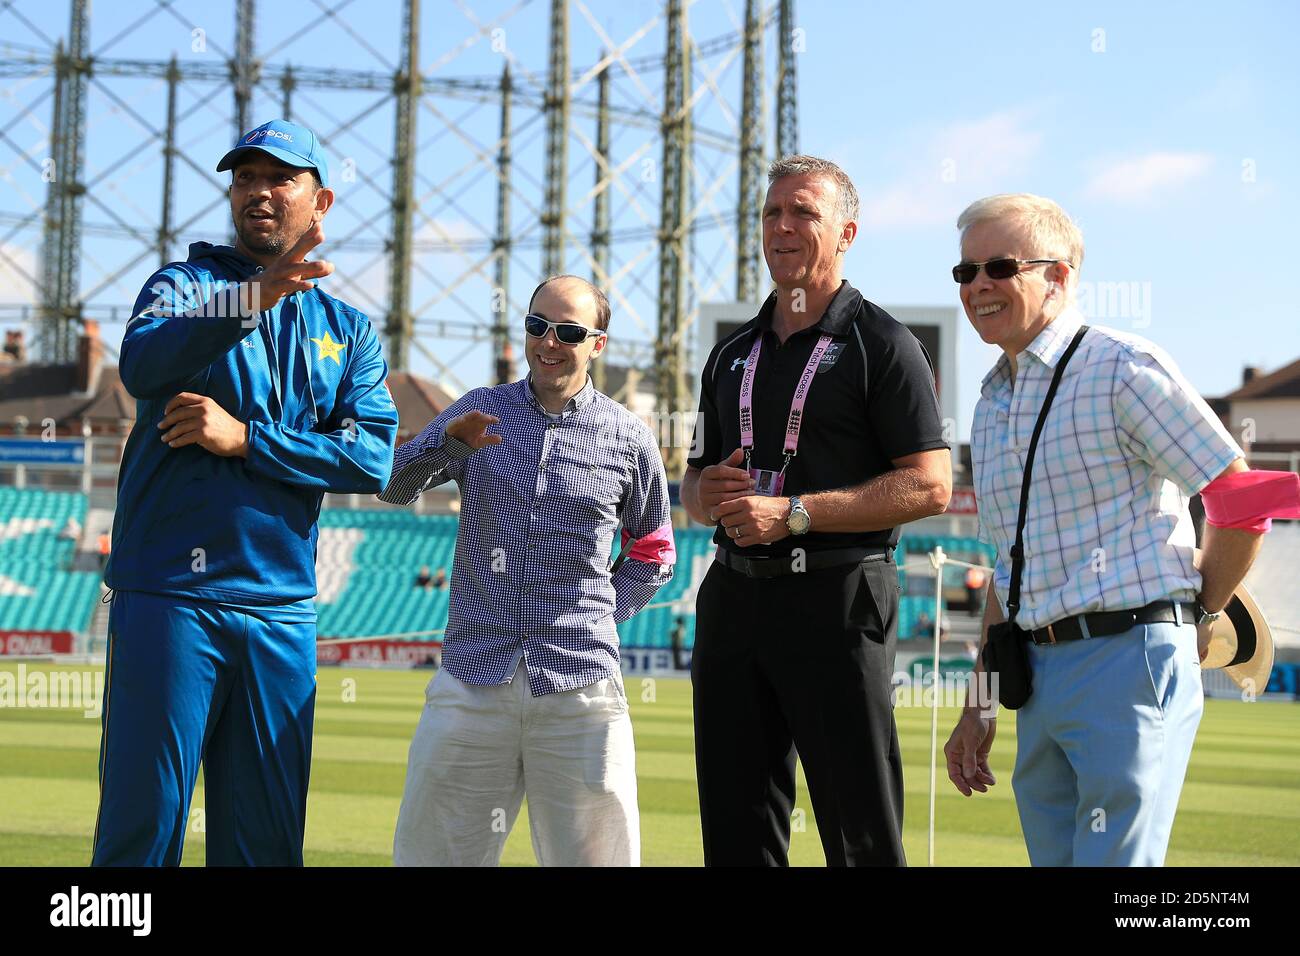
point(230, 687)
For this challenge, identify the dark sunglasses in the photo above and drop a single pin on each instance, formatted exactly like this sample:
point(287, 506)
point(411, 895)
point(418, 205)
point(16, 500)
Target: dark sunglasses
point(570, 333)
point(1000, 268)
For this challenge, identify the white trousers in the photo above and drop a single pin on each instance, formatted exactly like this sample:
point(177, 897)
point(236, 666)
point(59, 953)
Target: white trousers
point(479, 749)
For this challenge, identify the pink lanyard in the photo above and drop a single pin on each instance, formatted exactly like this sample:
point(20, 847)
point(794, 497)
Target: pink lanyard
point(795, 420)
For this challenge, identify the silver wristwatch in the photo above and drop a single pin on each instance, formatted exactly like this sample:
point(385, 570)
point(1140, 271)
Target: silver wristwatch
point(799, 521)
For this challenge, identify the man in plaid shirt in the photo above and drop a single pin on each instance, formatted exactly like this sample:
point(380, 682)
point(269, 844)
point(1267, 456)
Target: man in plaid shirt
point(1112, 587)
point(530, 698)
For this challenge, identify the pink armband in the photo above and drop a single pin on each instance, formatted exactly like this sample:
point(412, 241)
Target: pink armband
point(655, 548)
point(1249, 500)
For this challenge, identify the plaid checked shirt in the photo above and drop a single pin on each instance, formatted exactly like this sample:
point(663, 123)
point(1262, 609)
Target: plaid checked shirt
point(539, 512)
point(1126, 442)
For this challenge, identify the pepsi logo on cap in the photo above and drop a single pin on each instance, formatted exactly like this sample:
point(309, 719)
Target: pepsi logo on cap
point(263, 134)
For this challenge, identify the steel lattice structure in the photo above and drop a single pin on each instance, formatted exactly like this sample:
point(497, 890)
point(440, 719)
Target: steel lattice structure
point(438, 194)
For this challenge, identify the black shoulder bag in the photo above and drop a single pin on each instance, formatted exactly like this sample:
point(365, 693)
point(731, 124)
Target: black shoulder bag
point(1005, 651)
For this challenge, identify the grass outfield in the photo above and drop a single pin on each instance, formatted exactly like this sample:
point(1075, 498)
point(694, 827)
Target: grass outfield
point(1240, 806)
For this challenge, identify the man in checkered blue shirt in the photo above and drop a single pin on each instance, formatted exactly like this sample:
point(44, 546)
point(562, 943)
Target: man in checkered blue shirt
point(530, 698)
point(1112, 587)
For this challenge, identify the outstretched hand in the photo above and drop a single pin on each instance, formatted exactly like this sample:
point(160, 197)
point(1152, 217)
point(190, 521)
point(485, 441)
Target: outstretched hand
point(472, 429)
point(289, 274)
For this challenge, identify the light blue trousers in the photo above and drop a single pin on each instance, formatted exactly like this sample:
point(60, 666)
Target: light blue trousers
point(1103, 746)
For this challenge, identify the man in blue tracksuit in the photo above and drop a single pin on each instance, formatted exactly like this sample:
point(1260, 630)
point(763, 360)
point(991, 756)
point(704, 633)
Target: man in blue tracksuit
point(256, 393)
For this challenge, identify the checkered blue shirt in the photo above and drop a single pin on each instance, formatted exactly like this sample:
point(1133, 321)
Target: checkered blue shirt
point(539, 515)
point(1125, 444)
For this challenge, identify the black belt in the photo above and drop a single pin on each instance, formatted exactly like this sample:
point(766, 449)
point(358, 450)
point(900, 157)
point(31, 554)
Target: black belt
point(1106, 623)
point(813, 561)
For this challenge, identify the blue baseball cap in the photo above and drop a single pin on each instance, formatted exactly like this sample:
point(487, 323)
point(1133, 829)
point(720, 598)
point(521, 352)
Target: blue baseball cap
point(290, 143)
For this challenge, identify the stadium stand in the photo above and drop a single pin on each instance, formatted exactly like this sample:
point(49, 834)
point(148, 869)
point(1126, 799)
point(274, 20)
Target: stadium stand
point(1272, 580)
point(910, 609)
point(653, 627)
point(366, 567)
point(367, 563)
point(39, 591)
point(955, 546)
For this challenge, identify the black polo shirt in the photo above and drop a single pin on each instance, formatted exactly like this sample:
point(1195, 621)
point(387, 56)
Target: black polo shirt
point(872, 400)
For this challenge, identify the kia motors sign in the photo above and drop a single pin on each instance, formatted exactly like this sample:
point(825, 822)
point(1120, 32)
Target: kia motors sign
point(962, 502)
point(387, 652)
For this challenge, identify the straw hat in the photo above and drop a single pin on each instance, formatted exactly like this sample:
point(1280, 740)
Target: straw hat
point(1240, 642)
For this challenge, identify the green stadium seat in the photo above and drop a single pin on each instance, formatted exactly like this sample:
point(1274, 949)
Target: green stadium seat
point(37, 592)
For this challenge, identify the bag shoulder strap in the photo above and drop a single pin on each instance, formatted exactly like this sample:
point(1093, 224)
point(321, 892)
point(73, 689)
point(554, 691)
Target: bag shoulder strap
point(1018, 549)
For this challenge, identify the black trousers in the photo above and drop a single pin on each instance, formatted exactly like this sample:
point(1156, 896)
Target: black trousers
point(800, 663)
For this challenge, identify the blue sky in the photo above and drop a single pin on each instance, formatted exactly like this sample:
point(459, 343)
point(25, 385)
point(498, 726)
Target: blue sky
point(1168, 130)
point(1145, 144)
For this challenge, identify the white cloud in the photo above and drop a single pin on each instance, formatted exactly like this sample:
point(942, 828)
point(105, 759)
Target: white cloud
point(953, 165)
point(446, 229)
point(1230, 93)
point(1139, 179)
point(15, 286)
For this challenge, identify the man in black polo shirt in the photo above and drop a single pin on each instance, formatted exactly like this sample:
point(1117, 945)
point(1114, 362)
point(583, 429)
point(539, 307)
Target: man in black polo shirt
point(818, 435)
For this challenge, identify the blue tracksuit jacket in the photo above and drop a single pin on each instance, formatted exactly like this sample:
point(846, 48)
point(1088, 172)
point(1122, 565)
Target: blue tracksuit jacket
point(306, 376)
